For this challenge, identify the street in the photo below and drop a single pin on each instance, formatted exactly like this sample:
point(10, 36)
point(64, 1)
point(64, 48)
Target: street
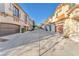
point(17, 40)
point(37, 43)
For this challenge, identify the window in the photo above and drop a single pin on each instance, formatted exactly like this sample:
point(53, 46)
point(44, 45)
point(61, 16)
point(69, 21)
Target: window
point(15, 12)
point(10, 6)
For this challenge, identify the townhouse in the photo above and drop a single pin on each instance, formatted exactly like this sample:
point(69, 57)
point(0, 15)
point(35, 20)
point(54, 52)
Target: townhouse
point(13, 19)
point(66, 19)
point(48, 26)
point(61, 14)
point(71, 25)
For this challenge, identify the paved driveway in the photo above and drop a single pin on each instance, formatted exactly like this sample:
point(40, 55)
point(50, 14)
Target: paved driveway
point(20, 39)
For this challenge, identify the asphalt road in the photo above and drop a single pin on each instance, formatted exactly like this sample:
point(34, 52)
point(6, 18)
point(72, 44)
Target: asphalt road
point(16, 40)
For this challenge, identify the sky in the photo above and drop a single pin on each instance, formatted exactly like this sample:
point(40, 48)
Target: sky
point(39, 12)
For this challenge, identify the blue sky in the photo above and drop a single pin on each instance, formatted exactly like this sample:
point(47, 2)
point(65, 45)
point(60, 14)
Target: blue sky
point(39, 12)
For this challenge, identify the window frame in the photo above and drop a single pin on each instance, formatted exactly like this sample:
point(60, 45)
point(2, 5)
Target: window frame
point(16, 11)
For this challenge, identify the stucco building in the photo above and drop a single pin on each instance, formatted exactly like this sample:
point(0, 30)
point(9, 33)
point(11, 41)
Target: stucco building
point(68, 19)
point(60, 15)
point(71, 25)
point(13, 19)
point(48, 26)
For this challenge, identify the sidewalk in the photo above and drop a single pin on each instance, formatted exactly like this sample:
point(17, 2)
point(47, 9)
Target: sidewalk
point(66, 47)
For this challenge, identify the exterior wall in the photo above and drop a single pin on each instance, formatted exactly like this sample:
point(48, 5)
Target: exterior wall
point(8, 19)
point(8, 15)
point(60, 14)
point(2, 7)
point(13, 23)
point(9, 8)
point(52, 28)
point(22, 19)
point(71, 25)
point(71, 28)
point(30, 23)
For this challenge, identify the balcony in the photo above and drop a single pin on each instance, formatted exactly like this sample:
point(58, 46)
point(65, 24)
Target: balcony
point(9, 19)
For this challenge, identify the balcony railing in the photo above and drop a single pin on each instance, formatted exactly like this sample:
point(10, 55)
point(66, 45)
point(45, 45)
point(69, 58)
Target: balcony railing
point(12, 20)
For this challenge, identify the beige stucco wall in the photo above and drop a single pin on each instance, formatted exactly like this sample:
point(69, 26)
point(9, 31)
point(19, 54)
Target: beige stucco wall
point(9, 18)
point(9, 8)
point(71, 29)
point(71, 26)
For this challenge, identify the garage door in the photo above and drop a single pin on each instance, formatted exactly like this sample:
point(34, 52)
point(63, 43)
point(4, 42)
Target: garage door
point(6, 29)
